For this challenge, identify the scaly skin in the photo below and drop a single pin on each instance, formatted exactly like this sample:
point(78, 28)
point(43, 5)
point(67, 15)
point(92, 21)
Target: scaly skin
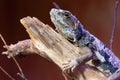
point(70, 27)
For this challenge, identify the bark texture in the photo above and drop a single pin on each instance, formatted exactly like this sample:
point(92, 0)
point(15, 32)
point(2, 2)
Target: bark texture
point(56, 48)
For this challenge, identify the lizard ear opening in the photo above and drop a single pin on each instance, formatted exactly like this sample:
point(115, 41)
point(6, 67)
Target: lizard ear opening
point(96, 62)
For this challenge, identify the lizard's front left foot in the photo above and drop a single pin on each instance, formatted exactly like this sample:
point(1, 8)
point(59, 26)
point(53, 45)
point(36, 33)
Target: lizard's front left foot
point(68, 68)
point(70, 65)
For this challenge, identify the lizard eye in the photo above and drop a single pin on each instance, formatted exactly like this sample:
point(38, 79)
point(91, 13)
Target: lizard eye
point(67, 14)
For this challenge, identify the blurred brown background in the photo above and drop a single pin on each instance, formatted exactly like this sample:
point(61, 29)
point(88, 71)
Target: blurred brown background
point(95, 15)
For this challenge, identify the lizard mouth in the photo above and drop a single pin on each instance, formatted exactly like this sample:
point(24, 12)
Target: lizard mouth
point(53, 14)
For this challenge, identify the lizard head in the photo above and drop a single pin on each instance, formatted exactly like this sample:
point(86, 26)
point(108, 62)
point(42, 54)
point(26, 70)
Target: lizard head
point(64, 18)
point(66, 23)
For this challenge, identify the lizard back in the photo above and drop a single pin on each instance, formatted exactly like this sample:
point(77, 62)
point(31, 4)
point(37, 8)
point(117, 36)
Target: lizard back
point(70, 27)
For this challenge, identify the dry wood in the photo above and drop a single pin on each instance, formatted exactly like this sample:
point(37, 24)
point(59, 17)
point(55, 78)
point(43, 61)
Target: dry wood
point(53, 46)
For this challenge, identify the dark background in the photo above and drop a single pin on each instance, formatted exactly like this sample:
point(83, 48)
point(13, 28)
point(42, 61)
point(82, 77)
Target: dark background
point(95, 15)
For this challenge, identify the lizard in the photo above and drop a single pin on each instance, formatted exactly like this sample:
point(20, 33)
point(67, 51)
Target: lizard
point(71, 28)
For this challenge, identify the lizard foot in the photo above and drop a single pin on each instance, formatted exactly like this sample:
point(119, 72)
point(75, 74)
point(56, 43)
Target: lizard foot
point(68, 69)
point(70, 65)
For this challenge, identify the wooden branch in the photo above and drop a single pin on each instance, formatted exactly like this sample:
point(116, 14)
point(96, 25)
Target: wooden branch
point(56, 48)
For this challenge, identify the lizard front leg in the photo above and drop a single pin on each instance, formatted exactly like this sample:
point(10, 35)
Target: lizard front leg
point(70, 65)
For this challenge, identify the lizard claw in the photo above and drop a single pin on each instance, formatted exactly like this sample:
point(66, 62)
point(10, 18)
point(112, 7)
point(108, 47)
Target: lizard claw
point(68, 68)
point(70, 65)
